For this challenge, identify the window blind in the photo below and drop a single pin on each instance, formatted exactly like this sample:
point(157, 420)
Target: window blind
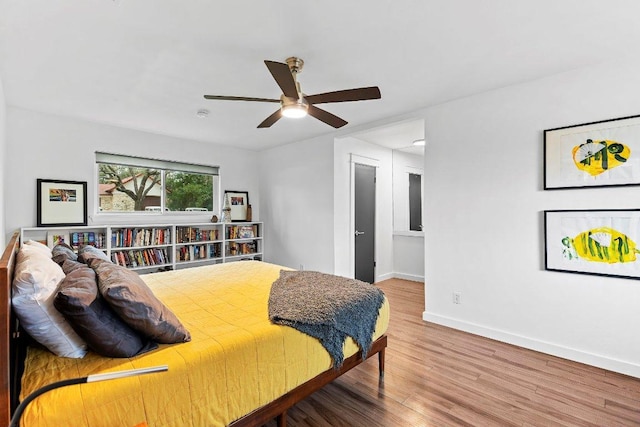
point(142, 162)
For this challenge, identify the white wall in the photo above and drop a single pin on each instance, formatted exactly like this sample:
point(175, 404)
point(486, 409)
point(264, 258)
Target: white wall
point(3, 160)
point(408, 257)
point(343, 221)
point(296, 188)
point(54, 147)
point(484, 228)
point(408, 246)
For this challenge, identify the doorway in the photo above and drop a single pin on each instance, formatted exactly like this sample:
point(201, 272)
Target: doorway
point(365, 226)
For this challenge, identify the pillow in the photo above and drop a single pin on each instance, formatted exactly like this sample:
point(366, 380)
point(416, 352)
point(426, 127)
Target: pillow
point(62, 252)
point(135, 303)
point(35, 281)
point(87, 252)
point(31, 246)
point(91, 317)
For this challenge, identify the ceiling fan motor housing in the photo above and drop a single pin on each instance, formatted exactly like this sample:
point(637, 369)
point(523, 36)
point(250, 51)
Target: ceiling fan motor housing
point(295, 64)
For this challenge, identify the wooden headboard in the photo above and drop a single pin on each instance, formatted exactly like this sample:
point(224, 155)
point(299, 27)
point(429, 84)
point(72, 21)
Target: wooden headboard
point(7, 343)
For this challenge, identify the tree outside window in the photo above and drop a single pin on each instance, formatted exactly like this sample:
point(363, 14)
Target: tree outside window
point(126, 187)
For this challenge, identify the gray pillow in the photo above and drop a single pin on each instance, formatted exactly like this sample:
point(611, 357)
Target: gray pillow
point(62, 252)
point(135, 303)
point(92, 318)
point(87, 252)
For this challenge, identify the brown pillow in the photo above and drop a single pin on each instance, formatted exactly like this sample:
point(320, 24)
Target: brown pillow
point(135, 303)
point(92, 318)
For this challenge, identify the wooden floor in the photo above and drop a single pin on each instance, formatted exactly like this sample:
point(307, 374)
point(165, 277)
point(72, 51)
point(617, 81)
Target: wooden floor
point(436, 376)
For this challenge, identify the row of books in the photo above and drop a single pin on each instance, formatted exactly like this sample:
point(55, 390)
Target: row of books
point(197, 252)
point(236, 248)
point(242, 232)
point(195, 234)
point(141, 258)
point(131, 237)
point(87, 238)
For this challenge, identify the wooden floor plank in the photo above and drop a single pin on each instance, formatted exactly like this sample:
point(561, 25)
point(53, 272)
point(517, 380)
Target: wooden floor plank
point(437, 376)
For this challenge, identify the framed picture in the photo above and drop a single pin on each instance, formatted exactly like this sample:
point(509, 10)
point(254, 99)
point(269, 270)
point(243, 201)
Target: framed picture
point(600, 242)
point(245, 232)
point(239, 200)
point(598, 154)
point(61, 203)
point(57, 237)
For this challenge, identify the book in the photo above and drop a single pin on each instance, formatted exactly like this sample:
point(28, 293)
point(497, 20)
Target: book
point(74, 240)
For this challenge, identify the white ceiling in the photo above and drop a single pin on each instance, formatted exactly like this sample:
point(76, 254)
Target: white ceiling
point(146, 64)
point(397, 136)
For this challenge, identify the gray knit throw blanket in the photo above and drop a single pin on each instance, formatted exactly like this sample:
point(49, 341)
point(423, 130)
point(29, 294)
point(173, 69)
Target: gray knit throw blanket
point(326, 307)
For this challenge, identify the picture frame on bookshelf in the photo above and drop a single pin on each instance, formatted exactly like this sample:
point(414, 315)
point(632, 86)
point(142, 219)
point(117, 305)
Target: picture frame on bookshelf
point(61, 203)
point(239, 201)
point(56, 237)
point(245, 232)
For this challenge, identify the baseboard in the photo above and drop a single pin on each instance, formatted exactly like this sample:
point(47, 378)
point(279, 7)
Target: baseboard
point(411, 277)
point(404, 276)
point(603, 362)
point(385, 276)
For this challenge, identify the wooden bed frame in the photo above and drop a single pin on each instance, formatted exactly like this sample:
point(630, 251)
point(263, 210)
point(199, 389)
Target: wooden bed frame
point(13, 347)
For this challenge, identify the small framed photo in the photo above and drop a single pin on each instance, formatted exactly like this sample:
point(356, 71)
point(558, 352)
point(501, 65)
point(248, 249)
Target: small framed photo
point(600, 242)
point(597, 154)
point(245, 232)
point(56, 237)
point(61, 203)
point(238, 200)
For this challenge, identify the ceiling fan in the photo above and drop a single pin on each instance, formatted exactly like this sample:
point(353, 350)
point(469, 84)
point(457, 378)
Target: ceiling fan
point(294, 103)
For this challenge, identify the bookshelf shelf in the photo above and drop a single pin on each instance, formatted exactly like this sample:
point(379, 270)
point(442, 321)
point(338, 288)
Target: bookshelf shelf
point(154, 247)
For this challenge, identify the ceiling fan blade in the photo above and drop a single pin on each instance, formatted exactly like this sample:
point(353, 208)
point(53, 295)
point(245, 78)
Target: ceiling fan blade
point(240, 98)
point(326, 117)
point(359, 94)
point(282, 75)
point(270, 120)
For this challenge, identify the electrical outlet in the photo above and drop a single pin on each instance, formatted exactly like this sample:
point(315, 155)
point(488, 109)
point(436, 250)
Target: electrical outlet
point(457, 298)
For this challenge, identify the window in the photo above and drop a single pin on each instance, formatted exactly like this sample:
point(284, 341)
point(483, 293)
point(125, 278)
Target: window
point(415, 202)
point(135, 184)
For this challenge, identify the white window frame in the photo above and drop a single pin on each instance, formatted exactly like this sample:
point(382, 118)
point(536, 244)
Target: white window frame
point(164, 166)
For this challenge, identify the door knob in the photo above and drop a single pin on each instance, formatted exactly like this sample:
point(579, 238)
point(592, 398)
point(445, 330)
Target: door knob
point(359, 233)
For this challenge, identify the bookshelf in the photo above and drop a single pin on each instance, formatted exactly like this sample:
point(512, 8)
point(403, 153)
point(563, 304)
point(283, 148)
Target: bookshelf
point(199, 243)
point(161, 246)
point(243, 241)
point(141, 247)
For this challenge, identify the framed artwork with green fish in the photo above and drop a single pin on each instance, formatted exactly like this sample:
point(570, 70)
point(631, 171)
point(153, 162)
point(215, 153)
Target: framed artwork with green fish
point(597, 154)
point(601, 242)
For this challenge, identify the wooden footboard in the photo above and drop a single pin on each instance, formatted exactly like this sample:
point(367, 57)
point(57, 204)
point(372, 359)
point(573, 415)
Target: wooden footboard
point(278, 408)
point(6, 360)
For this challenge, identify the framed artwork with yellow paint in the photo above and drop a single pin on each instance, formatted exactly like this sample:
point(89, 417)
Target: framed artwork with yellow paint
point(600, 242)
point(597, 154)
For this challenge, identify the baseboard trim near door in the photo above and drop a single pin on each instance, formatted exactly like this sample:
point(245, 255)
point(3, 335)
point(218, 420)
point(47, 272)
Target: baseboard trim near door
point(404, 276)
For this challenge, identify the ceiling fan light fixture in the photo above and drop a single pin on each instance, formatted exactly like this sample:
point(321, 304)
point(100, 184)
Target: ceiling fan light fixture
point(294, 108)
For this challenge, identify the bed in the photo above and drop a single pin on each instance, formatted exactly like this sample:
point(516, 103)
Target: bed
point(238, 369)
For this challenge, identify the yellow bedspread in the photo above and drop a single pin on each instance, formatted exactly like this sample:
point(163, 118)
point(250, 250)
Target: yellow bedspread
point(237, 360)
